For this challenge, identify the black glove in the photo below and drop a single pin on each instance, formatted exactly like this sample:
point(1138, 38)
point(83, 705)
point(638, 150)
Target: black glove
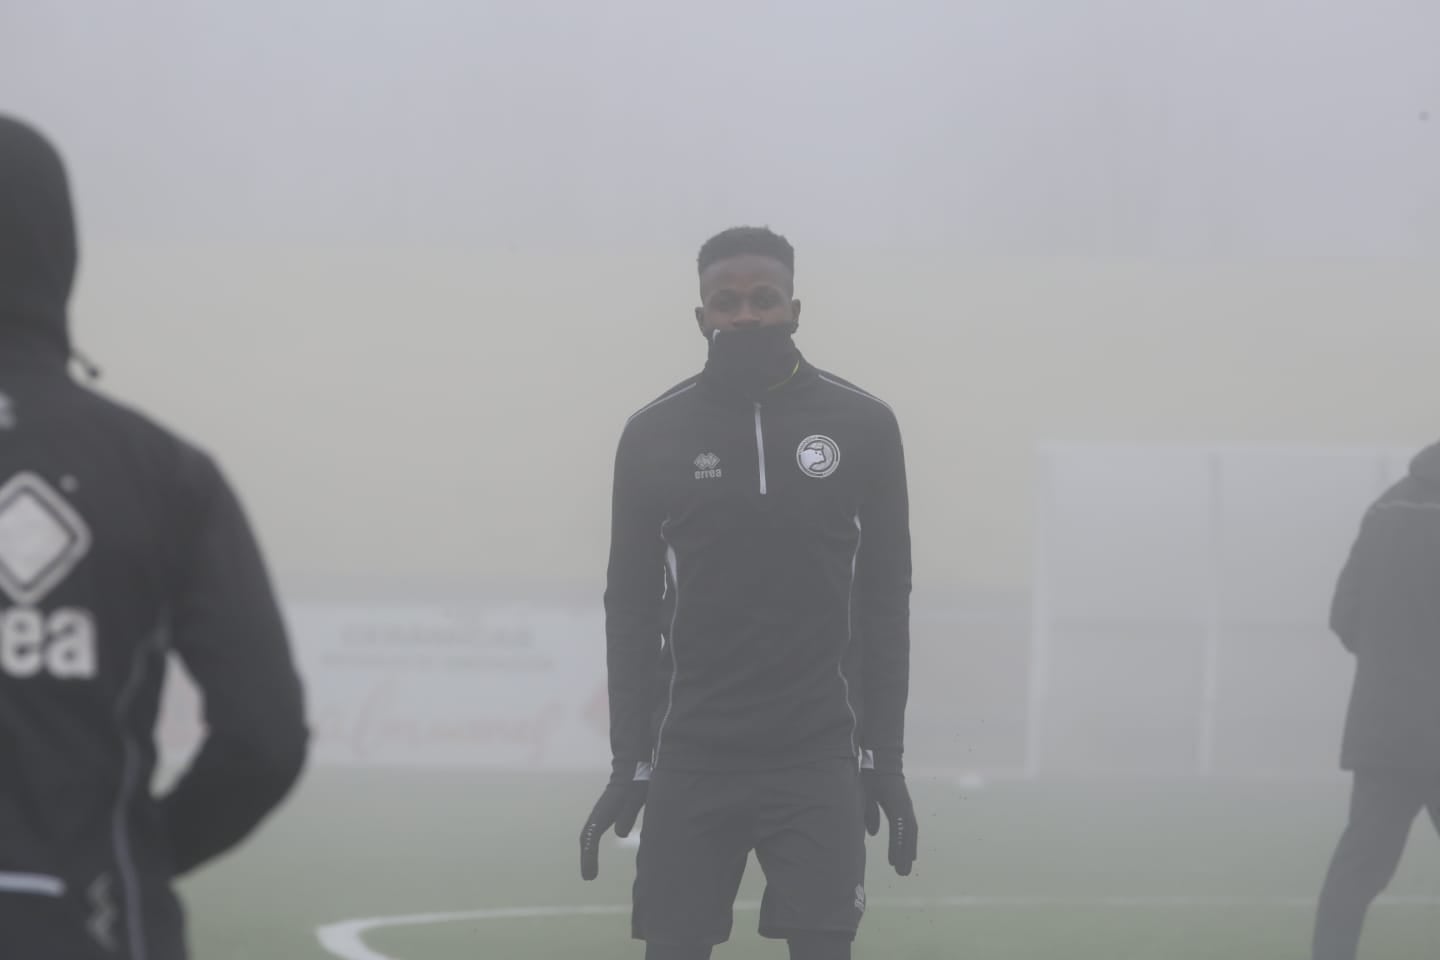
point(617, 807)
point(885, 789)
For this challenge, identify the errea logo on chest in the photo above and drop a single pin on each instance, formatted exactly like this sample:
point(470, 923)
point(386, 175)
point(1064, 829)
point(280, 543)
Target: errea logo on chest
point(707, 467)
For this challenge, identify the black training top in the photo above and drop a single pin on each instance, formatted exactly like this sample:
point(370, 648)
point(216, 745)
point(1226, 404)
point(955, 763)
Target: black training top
point(757, 606)
point(119, 543)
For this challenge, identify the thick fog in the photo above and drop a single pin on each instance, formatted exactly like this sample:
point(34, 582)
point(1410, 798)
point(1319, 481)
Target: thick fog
point(1151, 285)
point(360, 247)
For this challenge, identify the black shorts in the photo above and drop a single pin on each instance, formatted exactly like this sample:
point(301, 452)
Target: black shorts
point(805, 824)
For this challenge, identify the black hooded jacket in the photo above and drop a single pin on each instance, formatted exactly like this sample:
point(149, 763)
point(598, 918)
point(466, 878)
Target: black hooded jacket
point(764, 535)
point(1387, 612)
point(119, 543)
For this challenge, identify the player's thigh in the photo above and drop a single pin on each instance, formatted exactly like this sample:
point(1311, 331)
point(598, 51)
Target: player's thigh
point(1383, 807)
point(811, 845)
point(693, 846)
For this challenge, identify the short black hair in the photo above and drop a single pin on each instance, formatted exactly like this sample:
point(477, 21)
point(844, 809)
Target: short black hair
point(747, 241)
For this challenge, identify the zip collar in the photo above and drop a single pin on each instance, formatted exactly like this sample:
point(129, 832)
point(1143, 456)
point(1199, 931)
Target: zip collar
point(804, 375)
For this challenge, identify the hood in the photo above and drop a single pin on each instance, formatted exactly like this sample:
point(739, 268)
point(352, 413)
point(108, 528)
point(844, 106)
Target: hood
point(38, 251)
point(1426, 465)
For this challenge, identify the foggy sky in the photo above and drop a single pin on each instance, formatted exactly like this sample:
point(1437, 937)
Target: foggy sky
point(1002, 127)
point(406, 267)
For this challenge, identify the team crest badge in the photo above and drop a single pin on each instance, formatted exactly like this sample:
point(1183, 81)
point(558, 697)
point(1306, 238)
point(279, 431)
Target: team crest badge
point(818, 456)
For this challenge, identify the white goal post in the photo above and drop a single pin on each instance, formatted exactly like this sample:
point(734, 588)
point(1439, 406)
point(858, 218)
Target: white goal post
point(1180, 605)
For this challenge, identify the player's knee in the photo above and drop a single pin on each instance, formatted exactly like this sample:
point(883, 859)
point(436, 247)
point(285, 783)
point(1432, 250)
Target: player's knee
point(1368, 866)
point(820, 946)
point(671, 951)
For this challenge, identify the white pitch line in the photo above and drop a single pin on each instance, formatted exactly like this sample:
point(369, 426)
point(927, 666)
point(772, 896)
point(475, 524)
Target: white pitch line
point(346, 938)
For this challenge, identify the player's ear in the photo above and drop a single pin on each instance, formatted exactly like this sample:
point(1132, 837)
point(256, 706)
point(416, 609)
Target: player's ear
point(795, 312)
point(700, 321)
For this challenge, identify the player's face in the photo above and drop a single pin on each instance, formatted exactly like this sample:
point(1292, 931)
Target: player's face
point(748, 291)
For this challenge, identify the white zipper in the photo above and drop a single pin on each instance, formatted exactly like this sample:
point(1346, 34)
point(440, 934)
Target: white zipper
point(760, 447)
point(672, 564)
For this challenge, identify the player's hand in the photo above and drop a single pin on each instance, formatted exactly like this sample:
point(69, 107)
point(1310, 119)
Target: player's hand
point(888, 792)
point(618, 807)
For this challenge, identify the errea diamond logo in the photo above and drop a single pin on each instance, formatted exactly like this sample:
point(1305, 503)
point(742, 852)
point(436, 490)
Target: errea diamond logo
point(707, 467)
point(42, 538)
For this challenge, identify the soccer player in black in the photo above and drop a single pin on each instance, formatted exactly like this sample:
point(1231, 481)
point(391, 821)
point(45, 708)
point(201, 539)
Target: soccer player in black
point(1387, 613)
point(757, 623)
point(118, 543)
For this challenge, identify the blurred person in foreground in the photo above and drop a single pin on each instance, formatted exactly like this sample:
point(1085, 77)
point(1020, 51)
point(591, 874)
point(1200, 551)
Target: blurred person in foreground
point(757, 621)
point(118, 543)
point(1387, 613)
